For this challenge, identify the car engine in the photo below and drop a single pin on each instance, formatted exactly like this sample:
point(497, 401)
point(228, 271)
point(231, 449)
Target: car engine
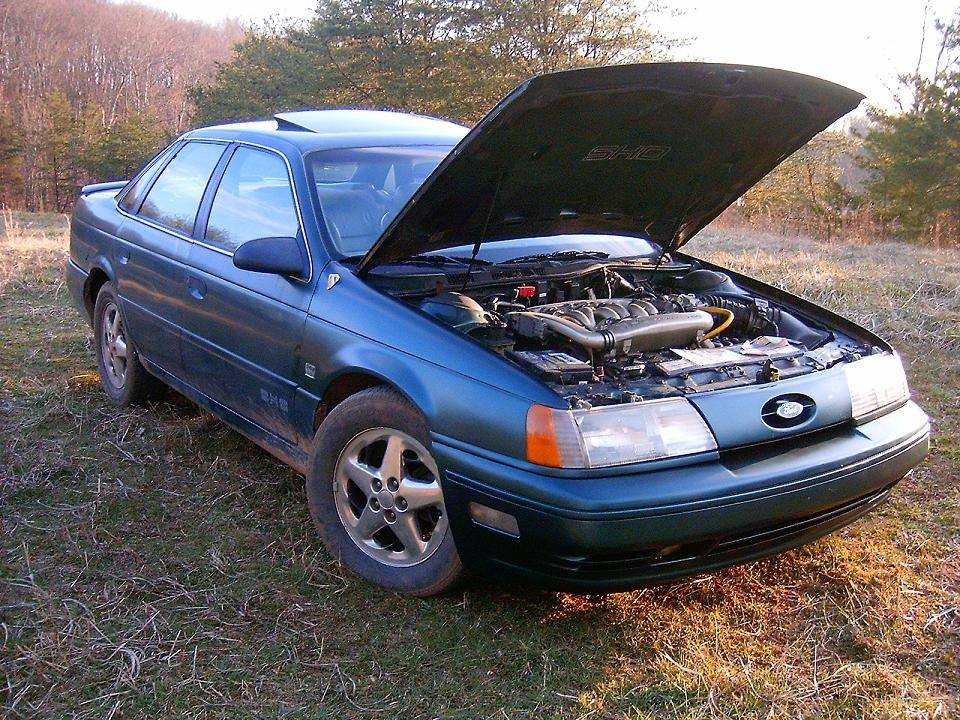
point(686, 333)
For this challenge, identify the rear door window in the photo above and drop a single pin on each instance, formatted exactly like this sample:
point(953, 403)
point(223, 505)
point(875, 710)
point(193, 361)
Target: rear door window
point(175, 197)
point(254, 200)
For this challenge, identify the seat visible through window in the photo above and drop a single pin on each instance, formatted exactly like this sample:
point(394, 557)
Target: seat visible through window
point(353, 212)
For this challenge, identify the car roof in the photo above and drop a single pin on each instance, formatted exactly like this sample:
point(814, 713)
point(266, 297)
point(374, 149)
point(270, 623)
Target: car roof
point(310, 130)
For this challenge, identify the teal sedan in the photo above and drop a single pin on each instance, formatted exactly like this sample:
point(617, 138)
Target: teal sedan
point(485, 348)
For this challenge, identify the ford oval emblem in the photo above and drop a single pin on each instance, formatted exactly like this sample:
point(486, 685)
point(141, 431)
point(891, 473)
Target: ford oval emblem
point(789, 409)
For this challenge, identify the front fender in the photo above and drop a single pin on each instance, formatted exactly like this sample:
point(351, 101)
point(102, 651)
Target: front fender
point(466, 392)
point(456, 406)
point(385, 366)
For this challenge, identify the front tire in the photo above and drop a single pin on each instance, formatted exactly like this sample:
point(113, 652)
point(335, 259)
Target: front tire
point(122, 375)
point(374, 493)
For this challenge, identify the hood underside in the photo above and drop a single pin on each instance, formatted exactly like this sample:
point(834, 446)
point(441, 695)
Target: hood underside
point(657, 150)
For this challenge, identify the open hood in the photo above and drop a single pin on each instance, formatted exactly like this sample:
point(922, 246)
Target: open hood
point(657, 150)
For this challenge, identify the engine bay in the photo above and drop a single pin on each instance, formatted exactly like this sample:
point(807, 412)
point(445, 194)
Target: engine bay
point(615, 333)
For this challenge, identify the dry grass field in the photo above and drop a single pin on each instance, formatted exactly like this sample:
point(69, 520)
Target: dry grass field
point(154, 564)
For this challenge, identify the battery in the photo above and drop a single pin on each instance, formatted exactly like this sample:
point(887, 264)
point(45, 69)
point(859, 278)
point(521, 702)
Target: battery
point(555, 366)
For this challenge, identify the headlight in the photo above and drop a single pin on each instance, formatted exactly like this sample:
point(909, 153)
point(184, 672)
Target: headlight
point(615, 435)
point(875, 382)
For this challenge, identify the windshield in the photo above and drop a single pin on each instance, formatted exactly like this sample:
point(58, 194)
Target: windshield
point(361, 190)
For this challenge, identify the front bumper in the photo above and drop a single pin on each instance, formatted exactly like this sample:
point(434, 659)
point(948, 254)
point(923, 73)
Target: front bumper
point(594, 532)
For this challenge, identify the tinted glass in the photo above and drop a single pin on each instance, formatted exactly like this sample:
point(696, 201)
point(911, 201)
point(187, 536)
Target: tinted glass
point(133, 197)
point(361, 190)
point(254, 200)
point(175, 197)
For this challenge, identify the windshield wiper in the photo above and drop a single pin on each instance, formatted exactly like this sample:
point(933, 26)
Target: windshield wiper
point(559, 255)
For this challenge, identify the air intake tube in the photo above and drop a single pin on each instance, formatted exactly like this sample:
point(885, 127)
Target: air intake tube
point(634, 334)
point(751, 318)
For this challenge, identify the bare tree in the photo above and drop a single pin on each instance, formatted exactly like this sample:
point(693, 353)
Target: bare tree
point(110, 62)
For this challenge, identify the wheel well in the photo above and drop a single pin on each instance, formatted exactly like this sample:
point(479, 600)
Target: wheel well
point(340, 389)
point(95, 281)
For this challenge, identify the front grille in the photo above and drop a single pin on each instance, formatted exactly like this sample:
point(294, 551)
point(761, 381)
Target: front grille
point(746, 455)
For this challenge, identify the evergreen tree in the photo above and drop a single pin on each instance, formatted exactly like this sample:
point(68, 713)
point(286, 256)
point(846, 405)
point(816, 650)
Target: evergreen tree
point(59, 165)
point(118, 152)
point(11, 165)
point(267, 67)
point(453, 59)
point(914, 156)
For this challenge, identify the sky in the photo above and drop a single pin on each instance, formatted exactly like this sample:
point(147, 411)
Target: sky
point(863, 44)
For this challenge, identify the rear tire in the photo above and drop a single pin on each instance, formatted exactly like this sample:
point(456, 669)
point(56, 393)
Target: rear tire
point(374, 493)
point(122, 375)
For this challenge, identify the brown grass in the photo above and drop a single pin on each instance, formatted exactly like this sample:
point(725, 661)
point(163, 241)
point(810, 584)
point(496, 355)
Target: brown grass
point(155, 564)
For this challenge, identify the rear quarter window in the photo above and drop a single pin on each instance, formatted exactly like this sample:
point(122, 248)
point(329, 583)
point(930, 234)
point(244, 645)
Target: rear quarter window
point(175, 197)
point(133, 194)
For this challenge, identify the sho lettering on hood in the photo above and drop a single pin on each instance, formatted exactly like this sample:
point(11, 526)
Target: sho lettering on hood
point(626, 152)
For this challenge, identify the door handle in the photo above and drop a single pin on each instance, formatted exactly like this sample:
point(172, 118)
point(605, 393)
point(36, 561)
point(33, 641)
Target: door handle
point(197, 287)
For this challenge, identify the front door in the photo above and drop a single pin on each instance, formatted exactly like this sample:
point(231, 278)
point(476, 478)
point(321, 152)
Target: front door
point(242, 330)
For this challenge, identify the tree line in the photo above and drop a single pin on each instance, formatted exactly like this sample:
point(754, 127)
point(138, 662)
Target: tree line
point(450, 58)
point(89, 89)
point(897, 173)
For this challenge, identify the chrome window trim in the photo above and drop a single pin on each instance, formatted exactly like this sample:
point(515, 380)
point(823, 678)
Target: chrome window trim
point(164, 228)
point(222, 251)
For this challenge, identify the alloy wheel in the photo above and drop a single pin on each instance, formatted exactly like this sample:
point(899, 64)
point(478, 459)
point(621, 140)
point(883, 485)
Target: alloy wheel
point(113, 346)
point(387, 493)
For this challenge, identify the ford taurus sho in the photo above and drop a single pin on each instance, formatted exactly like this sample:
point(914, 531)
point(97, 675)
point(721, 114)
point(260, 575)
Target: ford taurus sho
point(485, 348)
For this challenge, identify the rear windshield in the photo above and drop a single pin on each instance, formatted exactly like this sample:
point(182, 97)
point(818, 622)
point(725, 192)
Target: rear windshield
point(361, 190)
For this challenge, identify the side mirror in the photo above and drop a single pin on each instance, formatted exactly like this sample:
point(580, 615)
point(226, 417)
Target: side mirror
point(279, 255)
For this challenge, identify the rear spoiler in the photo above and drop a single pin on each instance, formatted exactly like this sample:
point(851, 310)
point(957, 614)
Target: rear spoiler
point(115, 185)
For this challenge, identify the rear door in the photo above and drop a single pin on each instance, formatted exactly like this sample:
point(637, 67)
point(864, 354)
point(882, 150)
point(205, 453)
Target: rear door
point(161, 209)
point(242, 329)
